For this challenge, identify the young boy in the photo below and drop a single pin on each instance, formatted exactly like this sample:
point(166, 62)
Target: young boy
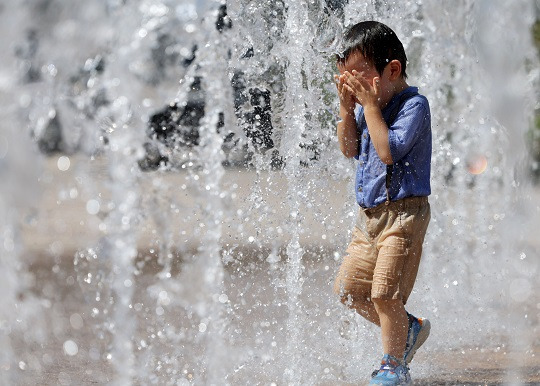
point(390, 136)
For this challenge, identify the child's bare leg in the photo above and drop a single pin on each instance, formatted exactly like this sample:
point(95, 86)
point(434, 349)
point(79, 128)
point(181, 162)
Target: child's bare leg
point(357, 299)
point(394, 324)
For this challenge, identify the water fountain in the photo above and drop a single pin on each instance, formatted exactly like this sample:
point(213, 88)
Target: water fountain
point(174, 204)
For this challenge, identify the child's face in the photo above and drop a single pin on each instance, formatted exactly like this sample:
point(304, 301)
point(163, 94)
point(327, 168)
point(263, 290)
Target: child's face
point(356, 61)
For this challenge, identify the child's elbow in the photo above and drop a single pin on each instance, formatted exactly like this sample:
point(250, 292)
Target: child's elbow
point(386, 158)
point(349, 153)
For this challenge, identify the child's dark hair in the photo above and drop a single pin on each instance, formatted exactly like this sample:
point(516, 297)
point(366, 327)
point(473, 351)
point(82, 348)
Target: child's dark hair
point(376, 42)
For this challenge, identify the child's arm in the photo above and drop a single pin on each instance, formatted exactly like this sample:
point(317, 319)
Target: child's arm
point(346, 128)
point(368, 96)
point(378, 131)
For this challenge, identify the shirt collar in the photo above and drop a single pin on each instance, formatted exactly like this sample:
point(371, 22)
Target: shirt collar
point(395, 99)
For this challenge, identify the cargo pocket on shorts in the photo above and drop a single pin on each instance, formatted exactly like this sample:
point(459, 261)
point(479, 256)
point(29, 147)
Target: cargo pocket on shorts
point(406, 224)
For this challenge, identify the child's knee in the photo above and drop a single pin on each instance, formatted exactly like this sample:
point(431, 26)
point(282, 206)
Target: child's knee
point(349, 294)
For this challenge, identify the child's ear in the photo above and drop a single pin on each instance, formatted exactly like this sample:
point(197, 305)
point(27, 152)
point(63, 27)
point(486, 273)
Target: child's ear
point(395, 69)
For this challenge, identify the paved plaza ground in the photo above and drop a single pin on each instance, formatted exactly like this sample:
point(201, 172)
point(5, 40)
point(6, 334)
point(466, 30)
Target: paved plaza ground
point(61, 343)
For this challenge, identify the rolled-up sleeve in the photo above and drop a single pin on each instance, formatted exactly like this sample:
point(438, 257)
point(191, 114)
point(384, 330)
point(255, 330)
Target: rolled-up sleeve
point(408, 127)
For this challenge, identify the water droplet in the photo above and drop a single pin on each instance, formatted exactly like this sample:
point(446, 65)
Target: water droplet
point(202, 327)
point(63, 163)
point(76, 321)
point(92, 206)
point(73, 193)
point(70, 348)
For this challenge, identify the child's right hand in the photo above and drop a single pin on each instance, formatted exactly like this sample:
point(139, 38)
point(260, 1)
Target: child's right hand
point(346, 95)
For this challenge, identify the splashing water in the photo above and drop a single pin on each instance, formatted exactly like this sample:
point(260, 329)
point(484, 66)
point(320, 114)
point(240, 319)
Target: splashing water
point(184, 152)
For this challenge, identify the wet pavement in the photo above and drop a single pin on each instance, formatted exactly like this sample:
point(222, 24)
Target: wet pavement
point(66, 343)
point(184, 334)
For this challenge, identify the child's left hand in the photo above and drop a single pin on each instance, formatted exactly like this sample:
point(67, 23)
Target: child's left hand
point(364, 91)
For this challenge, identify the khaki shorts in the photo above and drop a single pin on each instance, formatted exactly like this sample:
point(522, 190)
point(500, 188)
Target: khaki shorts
point(383, 257)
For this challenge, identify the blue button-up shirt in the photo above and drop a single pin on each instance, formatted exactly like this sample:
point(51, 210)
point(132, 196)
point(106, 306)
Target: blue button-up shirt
point(409, 137)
